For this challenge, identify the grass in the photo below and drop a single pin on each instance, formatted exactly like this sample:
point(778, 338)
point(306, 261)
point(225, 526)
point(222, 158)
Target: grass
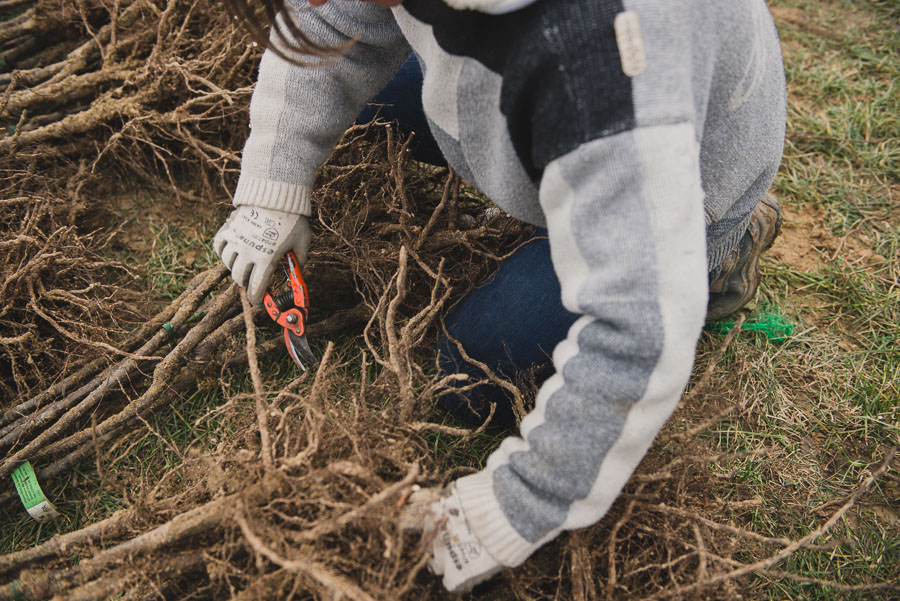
point(844, 113)
point(176, 257)
point(825, 406)
point(825, 403)
point(134, 466)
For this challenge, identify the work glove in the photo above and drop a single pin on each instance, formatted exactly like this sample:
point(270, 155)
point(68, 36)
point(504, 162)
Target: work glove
point(253, 242)
point(457, 554)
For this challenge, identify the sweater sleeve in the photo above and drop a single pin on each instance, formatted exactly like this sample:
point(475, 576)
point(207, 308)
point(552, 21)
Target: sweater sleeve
point(626, 229)
point(297, 113)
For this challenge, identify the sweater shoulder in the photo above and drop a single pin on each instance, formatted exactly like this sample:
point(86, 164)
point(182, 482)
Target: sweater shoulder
point(563, 82)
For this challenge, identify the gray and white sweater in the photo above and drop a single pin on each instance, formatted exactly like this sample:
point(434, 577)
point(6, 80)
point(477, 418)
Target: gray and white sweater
point(641, 133)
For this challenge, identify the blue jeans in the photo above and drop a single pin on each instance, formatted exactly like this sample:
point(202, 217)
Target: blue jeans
point(401, 101)
point(513, 321)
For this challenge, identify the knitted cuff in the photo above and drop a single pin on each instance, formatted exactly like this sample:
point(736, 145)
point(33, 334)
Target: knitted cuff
point(488, 522)
point(269, 194)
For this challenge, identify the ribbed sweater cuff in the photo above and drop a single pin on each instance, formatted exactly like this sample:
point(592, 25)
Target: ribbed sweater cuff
point(269, 194)
point(488, 522)
point(718, 249)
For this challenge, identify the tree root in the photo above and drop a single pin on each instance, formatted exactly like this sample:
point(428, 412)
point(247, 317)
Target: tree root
point(24, 410)
point(122, 372)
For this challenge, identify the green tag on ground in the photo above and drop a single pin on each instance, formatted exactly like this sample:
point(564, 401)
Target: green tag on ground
point(31, 494)
point(773, 325)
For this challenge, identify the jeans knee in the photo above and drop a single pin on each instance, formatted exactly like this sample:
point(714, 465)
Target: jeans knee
point(470, 400)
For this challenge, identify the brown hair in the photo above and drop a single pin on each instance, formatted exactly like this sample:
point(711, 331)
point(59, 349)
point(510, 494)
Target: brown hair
point(286, 39)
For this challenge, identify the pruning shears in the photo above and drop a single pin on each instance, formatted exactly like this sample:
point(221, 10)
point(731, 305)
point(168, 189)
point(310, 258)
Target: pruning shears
point(290, 310)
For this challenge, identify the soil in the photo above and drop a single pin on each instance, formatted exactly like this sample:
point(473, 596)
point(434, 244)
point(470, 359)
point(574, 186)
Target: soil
point(807, 244)
point(140, 213)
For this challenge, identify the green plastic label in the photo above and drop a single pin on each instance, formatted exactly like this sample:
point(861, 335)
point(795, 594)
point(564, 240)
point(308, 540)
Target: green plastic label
point(31, 494)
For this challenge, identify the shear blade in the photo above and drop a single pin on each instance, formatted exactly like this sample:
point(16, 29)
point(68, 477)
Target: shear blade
point(299, 350)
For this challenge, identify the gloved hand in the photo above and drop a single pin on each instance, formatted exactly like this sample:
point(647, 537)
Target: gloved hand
point(253, 241)
point(457, 554)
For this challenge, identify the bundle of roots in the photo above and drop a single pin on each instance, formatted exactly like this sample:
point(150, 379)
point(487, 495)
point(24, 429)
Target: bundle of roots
point(96, 92)
point(158, 87)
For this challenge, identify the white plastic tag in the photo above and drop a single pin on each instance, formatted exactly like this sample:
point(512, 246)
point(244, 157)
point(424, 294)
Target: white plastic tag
point(630, 42)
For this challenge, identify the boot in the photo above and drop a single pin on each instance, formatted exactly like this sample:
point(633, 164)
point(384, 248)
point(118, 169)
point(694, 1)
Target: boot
point(739, 277)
